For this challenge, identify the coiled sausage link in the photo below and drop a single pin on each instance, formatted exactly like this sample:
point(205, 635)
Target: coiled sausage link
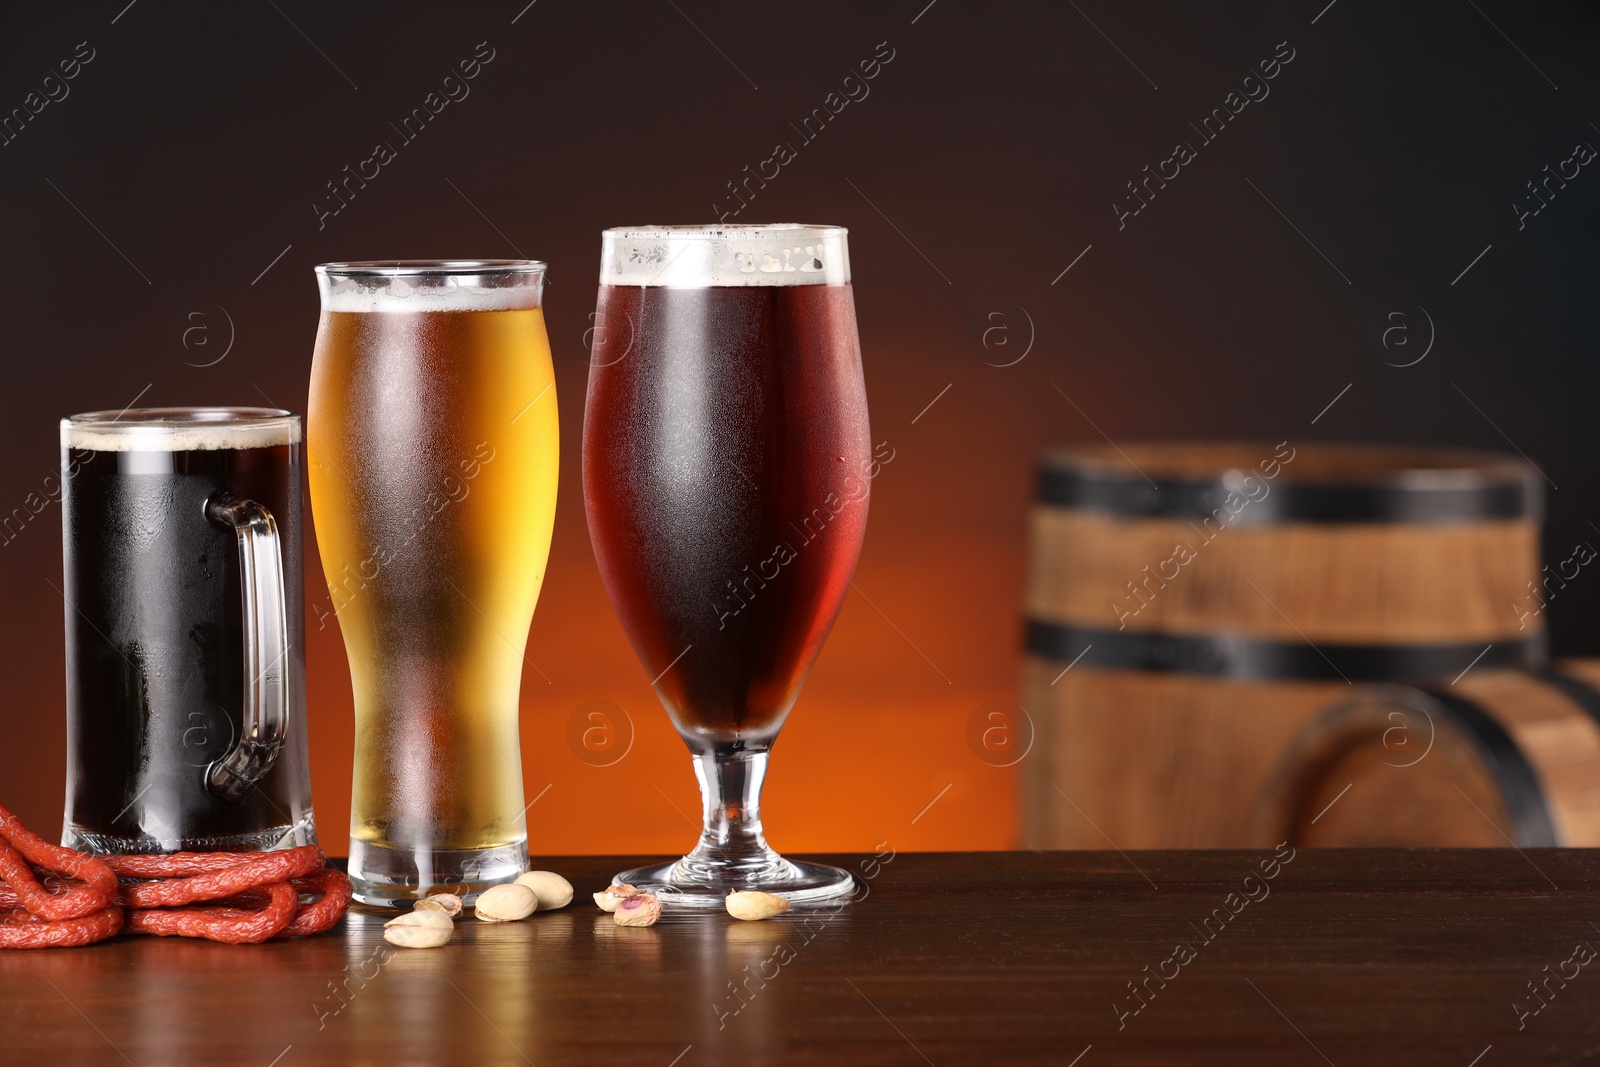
point(20, 846)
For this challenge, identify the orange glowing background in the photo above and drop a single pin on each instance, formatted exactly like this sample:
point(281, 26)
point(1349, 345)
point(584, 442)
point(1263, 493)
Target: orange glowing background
point(1004, 305)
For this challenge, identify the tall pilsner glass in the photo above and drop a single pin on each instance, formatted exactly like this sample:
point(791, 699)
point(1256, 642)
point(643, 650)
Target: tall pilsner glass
point(726, 466)
point(432, 458)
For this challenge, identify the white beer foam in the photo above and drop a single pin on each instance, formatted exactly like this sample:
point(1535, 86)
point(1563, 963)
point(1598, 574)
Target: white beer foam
point(392, 298)
point(701, 257)
point(418, 287)
point(133, 436)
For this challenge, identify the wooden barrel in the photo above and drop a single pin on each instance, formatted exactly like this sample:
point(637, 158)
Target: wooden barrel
point(1500, 758)
point(1192, 606)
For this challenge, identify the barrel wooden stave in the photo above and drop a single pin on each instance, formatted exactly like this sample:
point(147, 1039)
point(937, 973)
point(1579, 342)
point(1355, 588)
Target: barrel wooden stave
point(1341, 584)
point(1345, 782)
point(1132, 759)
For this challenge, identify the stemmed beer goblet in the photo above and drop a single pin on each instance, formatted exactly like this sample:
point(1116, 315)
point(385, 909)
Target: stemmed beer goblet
point(726, 470)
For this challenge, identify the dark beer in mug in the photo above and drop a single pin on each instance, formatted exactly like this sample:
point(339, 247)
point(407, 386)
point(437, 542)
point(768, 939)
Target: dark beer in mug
point(165, 751)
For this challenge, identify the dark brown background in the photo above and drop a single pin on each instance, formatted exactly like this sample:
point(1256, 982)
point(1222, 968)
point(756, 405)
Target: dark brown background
point(985, 160)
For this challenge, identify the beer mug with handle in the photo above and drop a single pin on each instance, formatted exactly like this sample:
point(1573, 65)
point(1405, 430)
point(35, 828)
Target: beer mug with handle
point(186, 720)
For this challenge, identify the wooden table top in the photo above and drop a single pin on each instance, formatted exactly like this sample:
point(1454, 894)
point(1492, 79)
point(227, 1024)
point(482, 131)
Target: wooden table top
point(1337, 957)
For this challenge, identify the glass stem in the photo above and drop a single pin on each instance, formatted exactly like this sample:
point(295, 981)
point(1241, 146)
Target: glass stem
point(730, 790)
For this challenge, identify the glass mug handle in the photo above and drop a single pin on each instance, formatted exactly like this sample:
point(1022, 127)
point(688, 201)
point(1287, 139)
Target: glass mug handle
point(266, 646)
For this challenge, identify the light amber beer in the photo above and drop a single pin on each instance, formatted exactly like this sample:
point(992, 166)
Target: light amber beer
point(432, 442)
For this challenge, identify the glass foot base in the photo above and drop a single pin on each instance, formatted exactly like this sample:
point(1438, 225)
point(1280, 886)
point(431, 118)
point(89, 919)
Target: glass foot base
point(386, 877)
point(689, 883)
point(292, 835)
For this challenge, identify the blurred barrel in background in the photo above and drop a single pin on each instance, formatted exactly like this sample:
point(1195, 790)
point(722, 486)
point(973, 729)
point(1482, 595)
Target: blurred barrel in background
point(1500, 758)
point(1192, 606)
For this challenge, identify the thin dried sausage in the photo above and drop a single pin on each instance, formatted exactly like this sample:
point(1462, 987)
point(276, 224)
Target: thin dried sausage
point(325, 913)
point(20, 846)
point(18, 929)
point(248, 897)
point(256, 869)
point(330, 884)
point(234, 926)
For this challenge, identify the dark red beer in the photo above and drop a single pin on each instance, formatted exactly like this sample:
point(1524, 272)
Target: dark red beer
point(727, 468)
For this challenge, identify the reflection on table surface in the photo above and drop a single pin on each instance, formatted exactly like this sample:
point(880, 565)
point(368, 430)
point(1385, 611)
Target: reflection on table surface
point(1404, 956)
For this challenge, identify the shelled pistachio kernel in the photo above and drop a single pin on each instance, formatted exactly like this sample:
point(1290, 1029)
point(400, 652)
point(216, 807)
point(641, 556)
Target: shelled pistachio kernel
point(506, 903)
point(419, 929)
point(552, 890)
point(448, 903)
point(640, 909)
point(751, 905)
point(612, 895)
